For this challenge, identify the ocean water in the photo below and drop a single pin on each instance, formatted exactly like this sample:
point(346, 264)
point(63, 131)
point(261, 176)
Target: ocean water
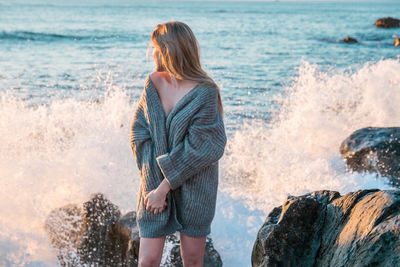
point(71, 75)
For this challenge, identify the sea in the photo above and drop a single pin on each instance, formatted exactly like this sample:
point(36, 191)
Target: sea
point(71, 74)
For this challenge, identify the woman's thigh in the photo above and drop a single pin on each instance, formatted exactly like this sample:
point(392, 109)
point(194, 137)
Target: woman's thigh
point(150, 250)
point(192, 248)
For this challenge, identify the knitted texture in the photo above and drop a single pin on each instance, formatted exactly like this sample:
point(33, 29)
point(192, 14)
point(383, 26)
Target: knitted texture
point(183, 147)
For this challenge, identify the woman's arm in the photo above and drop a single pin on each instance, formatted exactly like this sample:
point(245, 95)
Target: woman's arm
point(203, 144)
point(143, 151)
point(142, 145)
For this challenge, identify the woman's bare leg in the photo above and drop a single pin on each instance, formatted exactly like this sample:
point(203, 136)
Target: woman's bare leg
point(192, 250)
point(150, 251)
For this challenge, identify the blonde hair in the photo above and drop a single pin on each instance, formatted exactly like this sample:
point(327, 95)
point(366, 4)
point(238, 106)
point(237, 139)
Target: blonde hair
point(180, 56)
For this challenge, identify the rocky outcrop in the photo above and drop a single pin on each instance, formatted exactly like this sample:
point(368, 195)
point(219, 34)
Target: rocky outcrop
point(350, 40)
point(388, 22)
point(96, 235)
point(374, 150)
point(396, 42)
point(325, 229)
point(93, 235)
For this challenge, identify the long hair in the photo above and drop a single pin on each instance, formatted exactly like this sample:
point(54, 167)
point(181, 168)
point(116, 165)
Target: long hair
point(180, 56)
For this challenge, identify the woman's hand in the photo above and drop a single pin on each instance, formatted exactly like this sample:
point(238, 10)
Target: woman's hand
point(155, 199)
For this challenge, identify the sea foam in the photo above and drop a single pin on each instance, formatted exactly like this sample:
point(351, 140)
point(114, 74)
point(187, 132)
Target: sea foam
point(299, 151)
point(61, 152)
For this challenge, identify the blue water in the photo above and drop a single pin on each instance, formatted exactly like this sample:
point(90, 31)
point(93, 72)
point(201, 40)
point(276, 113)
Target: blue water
point(251, 49)
point(71, 73)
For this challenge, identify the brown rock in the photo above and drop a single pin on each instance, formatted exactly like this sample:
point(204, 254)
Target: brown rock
point(350, 40)
point(324, 229)
point(97, 235)
point(387, 22)
point(94, 234)
point(374, 149)
point(101, 244)
point(396, 42)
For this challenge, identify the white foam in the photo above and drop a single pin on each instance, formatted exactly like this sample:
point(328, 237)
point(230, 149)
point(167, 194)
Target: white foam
point(299, 151)
point(60, 153)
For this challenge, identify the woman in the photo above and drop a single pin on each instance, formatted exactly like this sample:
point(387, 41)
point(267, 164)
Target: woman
point(177, 138)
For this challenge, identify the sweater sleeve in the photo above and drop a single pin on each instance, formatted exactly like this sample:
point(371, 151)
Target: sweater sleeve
point(143, 149)
point(204, 143)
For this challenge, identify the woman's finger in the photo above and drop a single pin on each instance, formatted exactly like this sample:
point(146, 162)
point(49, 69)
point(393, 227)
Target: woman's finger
point(145, 201)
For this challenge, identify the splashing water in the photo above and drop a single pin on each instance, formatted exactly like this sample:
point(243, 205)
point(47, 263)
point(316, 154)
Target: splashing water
point(56, 154)
point(299, 151)
point(60, 153)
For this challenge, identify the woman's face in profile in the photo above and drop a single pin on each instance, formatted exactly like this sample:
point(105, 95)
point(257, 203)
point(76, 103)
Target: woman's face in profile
point(157, 59)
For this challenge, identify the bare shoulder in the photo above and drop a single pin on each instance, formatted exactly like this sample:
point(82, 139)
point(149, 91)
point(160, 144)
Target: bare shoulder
point(155, 76)
point(159, 79)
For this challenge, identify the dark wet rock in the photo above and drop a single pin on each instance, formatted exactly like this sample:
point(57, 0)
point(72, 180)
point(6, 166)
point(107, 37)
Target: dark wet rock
point(106, 241)
point(374, 150)
point(129, 232)
point(350, 40)
point(211, 255)
point(387, 22)
point(93, 235)
point(325, 229)
point(396, 42)
point(96, 235)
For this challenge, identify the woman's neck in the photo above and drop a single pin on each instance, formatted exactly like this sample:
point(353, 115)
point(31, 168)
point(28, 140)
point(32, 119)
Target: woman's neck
point(176, 83)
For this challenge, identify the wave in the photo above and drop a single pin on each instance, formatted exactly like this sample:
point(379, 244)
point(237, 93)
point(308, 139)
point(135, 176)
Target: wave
point(298, 152)
point(48, 37)
point(60, 153)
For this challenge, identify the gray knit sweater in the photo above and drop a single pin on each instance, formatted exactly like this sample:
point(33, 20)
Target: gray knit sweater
point(183, 147)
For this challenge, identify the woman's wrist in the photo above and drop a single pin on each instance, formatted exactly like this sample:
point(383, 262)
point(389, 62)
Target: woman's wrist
point(164, 186)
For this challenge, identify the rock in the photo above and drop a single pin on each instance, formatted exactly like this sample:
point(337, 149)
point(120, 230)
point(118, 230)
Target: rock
point(64, 227)
point(97, 235)
point(129, 233)
point(374, 150)
point(388, 22)
point(396, 42)
point(211, 255)
point(325, 229)
point(350, 40)
point(102, 244)
point(94, 235)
